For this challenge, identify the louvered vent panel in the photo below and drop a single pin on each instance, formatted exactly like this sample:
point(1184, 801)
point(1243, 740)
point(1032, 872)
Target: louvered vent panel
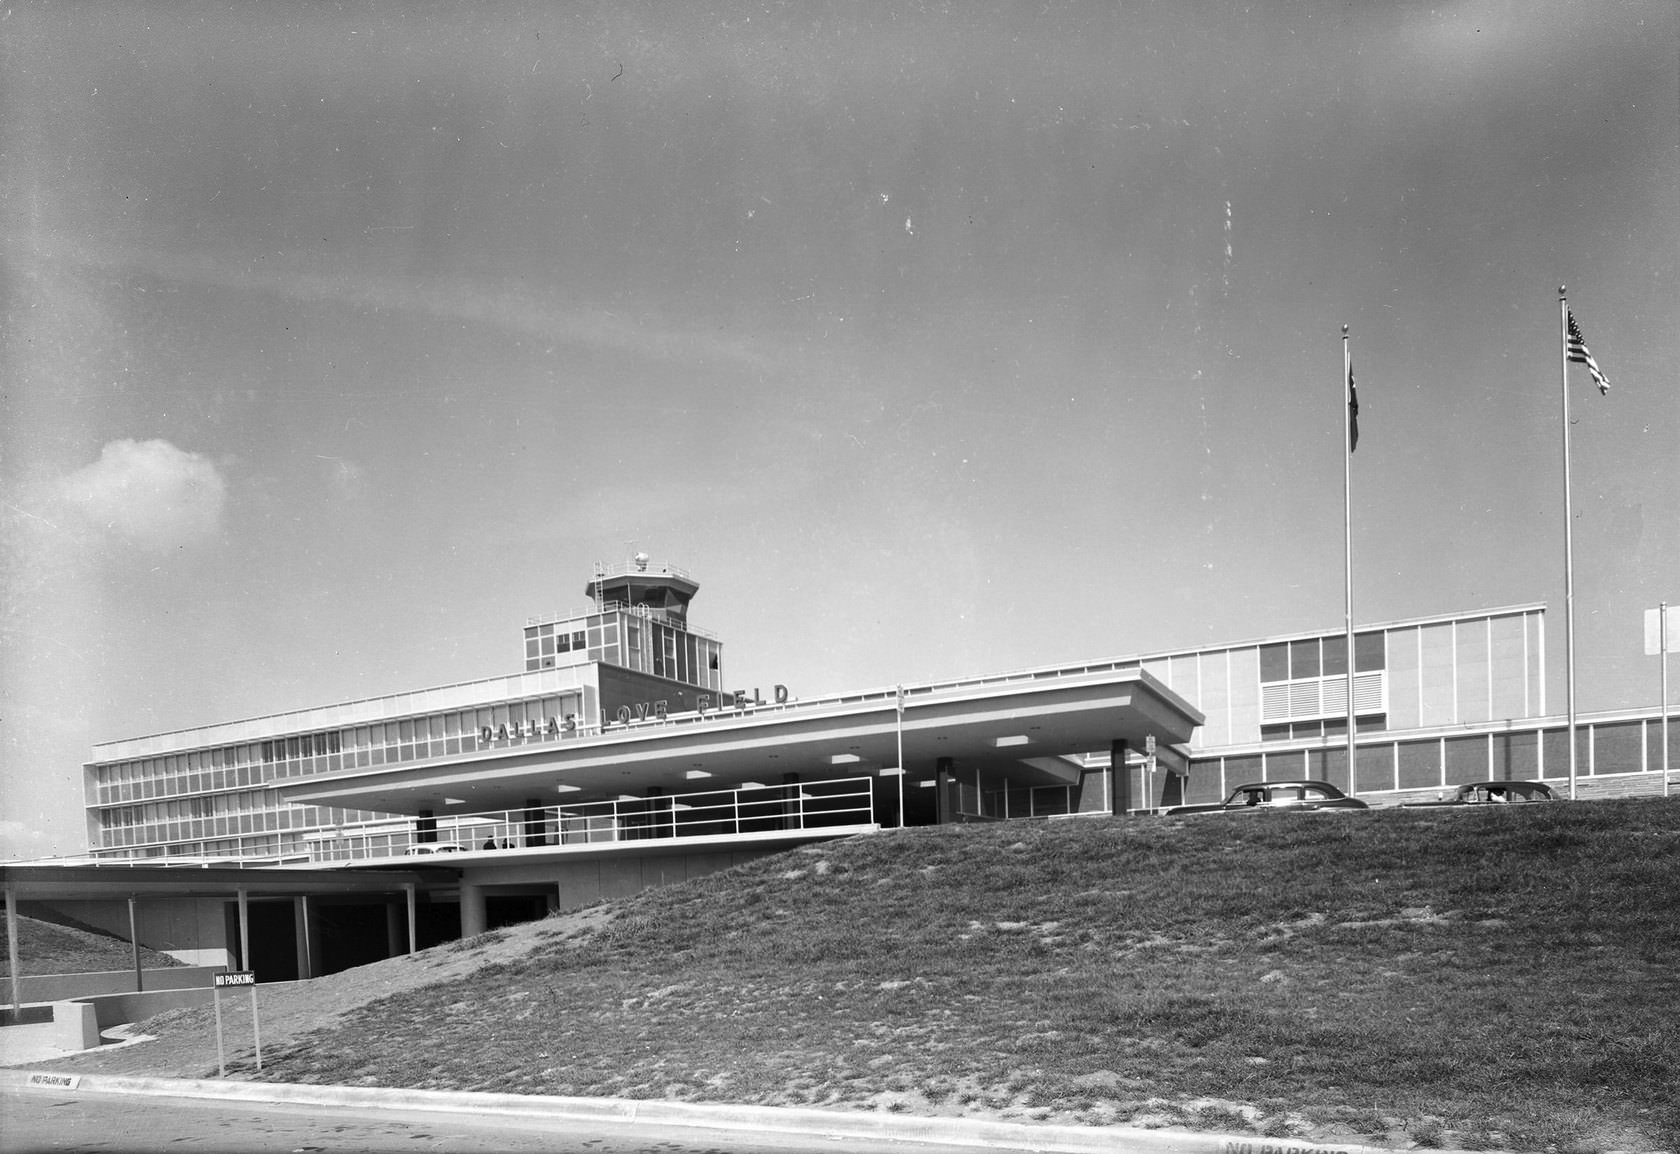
point(1368, 695)
point(1303, 698)
point(1322, 697)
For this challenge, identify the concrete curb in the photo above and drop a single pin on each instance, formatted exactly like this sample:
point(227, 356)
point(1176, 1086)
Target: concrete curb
point(827, 1124)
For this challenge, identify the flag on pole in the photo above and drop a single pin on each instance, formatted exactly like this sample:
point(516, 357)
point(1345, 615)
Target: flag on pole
point(1577, 352)
point(1353, 411)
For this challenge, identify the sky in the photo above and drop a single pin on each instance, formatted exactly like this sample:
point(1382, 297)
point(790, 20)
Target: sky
point(337, 340)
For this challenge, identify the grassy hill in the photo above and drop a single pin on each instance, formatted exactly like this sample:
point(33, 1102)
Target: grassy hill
point(1491, 978)
point(48, 948)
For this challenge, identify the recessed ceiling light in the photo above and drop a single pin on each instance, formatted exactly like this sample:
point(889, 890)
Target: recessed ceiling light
point(1012, 739)
point(696, 774)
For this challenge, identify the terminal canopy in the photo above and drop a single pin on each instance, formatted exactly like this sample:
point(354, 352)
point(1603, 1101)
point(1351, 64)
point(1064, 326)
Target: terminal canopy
point(1031, 727)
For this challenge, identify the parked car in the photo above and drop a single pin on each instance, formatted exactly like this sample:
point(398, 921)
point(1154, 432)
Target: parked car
point(1493, 793)
point(426, 848)
point(1276, 795)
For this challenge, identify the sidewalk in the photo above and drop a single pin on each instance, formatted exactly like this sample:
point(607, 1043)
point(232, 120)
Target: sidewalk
point(835, 1125)
point(20, 1045)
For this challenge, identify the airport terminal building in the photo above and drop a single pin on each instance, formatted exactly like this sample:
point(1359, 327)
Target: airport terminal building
point(616, 755)
point(621, 726)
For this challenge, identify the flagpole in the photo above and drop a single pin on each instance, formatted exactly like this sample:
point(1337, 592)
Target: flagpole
point(1347, 553)
point(1568, 539)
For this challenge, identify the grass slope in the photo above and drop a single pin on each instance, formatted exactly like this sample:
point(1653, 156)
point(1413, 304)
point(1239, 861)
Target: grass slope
point(1497, 978)
point(48, 948)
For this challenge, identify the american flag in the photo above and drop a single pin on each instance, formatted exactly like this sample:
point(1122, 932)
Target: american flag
point(1577, 352)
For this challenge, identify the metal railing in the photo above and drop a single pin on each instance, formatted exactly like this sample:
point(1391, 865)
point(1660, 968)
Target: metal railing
point(1019, 801)
point(750, 809)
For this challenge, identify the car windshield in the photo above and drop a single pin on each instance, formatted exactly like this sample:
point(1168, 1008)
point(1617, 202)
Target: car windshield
point(1499, 793)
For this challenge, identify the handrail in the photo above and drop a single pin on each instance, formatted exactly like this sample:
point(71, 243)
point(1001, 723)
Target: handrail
point(796, 806)
point(627, 569)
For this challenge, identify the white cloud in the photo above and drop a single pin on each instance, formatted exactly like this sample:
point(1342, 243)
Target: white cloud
point(150, 492)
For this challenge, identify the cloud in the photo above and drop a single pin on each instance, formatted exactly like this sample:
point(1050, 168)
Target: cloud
point(150, 492)
point(512, 309)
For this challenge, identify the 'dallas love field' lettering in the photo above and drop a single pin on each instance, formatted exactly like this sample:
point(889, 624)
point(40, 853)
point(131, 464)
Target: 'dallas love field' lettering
point(531, 727)
point(551, 727)
point(703, 703)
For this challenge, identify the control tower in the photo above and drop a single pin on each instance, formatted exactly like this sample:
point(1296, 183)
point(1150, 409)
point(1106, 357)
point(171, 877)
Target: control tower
point(664, 590)
point(637, 620)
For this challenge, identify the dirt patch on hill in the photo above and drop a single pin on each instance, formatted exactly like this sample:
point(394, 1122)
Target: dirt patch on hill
point(182, 1043)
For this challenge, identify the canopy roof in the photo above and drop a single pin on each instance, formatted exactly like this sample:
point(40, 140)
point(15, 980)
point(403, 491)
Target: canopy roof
point(1032, 726)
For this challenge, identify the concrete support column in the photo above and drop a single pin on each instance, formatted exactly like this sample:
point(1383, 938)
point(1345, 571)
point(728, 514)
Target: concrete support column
point(300, 937)
point(12, 941)
point(244, 930)
point(1120, 779)
point(474, 920)
point(393, 929)
point(308, 937)
point(134, 945)
point(943, 791)
point(657, 807)
point(792, 812)
point(413, 924)
point(425, 827)
point(534, 834)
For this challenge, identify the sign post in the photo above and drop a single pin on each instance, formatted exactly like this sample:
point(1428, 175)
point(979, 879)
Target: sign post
point(235, 978)
point(1662, 627)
